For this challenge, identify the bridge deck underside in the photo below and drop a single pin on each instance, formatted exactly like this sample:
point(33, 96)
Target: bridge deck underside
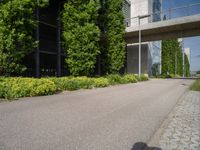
point(169, 29)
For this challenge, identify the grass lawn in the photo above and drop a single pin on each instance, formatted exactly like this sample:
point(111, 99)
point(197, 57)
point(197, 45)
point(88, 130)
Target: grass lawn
point(196, 85)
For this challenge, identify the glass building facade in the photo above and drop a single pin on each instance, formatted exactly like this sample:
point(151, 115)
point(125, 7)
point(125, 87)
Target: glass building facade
point(150, 51)
point(156, 10)
point(155, 47)
point(127, 12)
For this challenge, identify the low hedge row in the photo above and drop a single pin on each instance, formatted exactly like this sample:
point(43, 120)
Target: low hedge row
point(13, 88)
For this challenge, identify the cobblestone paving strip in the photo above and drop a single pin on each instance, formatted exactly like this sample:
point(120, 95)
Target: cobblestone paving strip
point(183, 129)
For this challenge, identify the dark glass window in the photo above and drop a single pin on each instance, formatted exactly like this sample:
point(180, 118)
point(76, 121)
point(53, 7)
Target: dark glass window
point(156, 10)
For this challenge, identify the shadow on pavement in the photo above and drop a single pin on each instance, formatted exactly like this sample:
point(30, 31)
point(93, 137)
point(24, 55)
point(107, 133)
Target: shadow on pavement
point(143, 146)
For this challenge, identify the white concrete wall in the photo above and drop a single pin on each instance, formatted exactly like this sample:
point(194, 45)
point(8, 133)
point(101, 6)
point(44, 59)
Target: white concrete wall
point(139, 7)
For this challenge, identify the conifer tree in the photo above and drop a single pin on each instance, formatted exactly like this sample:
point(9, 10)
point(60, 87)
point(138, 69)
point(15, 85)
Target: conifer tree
point(187, 66)
point(17, 27)
point(113, 28)
point(81, 35)
point(171, 57)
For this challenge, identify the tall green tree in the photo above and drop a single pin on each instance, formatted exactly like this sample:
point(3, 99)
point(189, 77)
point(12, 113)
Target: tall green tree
point(187, 66)
point(81, 35)
point(17, 26)
point(166, 61)
point(113, 30)
point(171, 57)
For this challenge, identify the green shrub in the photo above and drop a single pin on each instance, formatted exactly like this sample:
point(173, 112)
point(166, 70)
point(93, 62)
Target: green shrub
point(85, 82)
point(196, 85)
point(143, 77)
point(73, 83)
point(168, 76)
point(42, 87)
point(129, 78)
point(2, 87)
point(61, 83)
point(12, 88)
point(101, 82)
point(115, 79)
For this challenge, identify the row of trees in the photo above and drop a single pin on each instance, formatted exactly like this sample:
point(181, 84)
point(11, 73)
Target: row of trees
point(91, 29)
point(17, 26)
point(172, 59)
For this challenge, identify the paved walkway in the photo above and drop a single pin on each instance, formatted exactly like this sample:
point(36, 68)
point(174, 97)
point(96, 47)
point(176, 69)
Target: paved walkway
point(181, 131)
point(113, 118)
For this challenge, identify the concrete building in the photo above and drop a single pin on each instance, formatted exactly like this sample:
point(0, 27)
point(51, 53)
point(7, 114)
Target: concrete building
point(151, 51)
point(127, 12)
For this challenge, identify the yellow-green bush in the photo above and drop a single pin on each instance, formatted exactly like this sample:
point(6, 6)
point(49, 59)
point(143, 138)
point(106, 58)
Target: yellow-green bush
point(129, 78)
point(115, 79)
point(143, 77)
point(73, 83)
point(84, 82)
point(12, 88)
point(101, 82)
point(61, 83)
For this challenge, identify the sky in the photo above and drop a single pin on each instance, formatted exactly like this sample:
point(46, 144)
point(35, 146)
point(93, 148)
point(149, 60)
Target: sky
point(192, 42)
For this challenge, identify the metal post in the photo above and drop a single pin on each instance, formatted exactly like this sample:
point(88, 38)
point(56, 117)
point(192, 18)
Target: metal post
point(140, 41)
point(161, 15)
point(139, 69)
point(37, 52)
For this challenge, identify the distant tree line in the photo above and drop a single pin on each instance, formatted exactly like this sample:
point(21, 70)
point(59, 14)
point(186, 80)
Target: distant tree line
point(172, 59)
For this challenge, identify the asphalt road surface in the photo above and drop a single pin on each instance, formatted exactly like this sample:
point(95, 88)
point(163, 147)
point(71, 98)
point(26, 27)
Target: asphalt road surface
point(113, 118)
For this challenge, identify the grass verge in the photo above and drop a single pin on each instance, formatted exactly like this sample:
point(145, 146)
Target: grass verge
point(196, 85)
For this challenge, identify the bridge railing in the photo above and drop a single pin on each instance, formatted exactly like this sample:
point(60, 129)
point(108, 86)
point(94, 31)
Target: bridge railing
point(168, 14)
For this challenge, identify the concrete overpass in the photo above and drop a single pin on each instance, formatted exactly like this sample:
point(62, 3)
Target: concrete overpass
point(175, 28)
